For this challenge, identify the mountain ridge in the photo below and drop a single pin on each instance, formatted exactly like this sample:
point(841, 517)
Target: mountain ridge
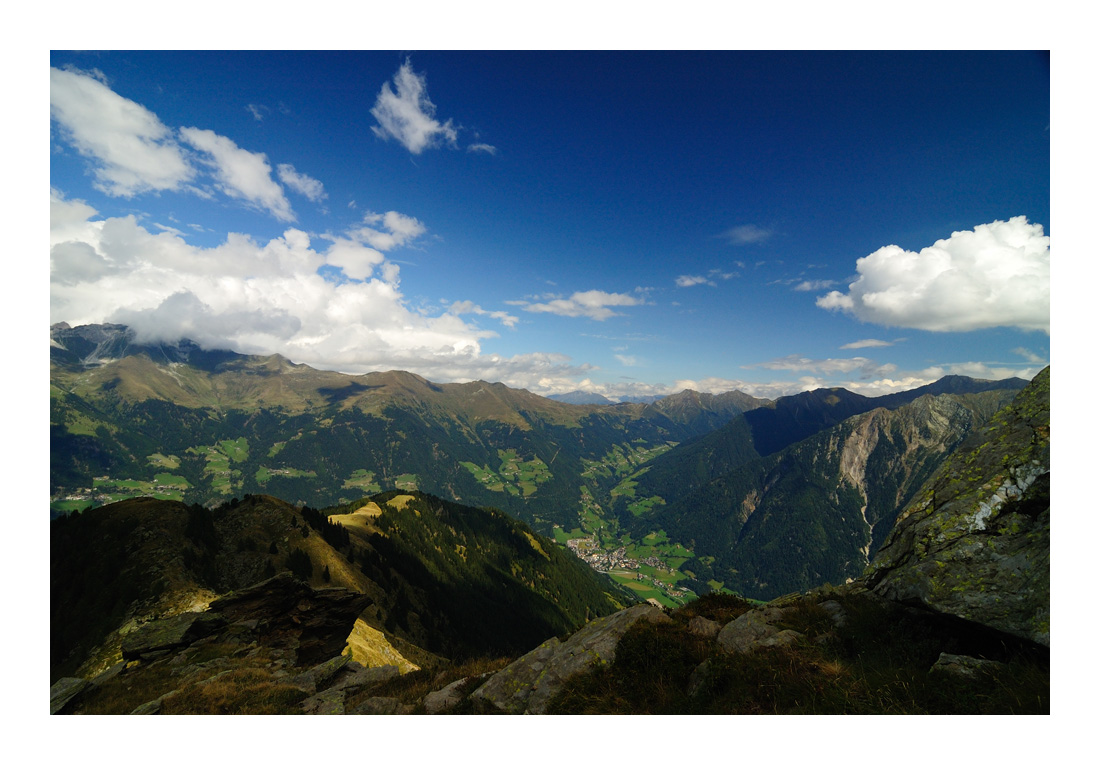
point(925, 629)
point(438, 579)
point(596, 474)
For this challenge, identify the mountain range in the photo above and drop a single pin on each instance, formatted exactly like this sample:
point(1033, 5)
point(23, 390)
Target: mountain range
point(674, 498)
point(405, 602)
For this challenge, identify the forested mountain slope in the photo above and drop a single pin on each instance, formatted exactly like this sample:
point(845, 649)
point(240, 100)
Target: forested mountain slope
point(436, 577)
point(181, 423)
point(817, 511)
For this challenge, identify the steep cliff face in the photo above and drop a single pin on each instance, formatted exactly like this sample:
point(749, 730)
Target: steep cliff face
point(975, 543)
point(886, 455)
point(817, 511)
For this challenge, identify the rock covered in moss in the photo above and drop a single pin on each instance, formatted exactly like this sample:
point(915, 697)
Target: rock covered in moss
point(976, 543)
point(158, 635)
point(526, 685)
point(65, 690)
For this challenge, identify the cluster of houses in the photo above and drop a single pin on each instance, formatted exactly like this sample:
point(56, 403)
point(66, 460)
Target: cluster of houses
point(84, 495)
point(588, 550)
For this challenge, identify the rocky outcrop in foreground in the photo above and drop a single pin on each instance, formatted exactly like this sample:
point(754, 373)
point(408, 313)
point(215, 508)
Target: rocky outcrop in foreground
point(976, 543)
point(280, 633)
point(527, 685)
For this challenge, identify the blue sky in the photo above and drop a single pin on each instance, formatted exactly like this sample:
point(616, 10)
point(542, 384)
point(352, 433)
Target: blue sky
point(626, 223)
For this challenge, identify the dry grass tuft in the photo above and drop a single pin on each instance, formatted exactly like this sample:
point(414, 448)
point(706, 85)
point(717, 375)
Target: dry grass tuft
point(240, 692)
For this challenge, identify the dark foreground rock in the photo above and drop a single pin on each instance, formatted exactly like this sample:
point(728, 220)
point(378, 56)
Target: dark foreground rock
point(169, 633)
point(285, 612)
point(279, 637)
point(527, 685)
point(65, 690)
point(756, 629)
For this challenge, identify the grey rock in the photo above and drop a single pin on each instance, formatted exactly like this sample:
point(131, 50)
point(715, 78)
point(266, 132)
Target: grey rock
point(112, 671)
point(699, 677)
point(964, 666)
point(64, 691)
point(364, 677)
point(315, 677)
point(782, 638)
point(835, 611)
point(291, 615)
point(526, 685)
point(756, 629)
point(382, 705)
point(330, 702)
point(704, 627)
point(155, 637)
point(149, 707)
point(447, 697)
point(153, 707)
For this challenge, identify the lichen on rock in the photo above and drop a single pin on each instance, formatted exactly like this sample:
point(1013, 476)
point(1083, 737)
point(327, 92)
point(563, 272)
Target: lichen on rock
point(977, 545)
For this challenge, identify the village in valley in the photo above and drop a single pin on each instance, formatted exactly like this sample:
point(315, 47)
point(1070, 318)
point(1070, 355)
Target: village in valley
point(649, 575)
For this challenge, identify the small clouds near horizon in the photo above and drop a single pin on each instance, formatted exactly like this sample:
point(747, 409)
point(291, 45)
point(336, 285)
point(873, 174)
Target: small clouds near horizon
point(796, 363)
point(996, 275)
point(869, 343)
point(814, 285)
point(408, 115)
point(460, 307)
point(592, 304)
point(714, 274)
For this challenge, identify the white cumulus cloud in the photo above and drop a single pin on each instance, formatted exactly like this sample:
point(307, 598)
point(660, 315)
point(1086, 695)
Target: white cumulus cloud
point(240, 173)
point(408, 115)
point(997, 275)
point(130, 149)
point(271, 297)
point(398, 230)
point(311, 188)
point(354, 259)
